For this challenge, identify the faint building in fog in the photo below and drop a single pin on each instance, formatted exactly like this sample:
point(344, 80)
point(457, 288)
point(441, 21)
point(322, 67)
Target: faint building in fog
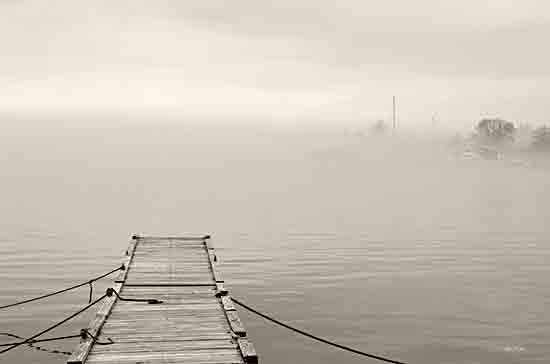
point(379, 128)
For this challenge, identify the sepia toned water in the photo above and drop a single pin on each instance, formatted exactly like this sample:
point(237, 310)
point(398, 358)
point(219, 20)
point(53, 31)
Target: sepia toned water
point(391, 247)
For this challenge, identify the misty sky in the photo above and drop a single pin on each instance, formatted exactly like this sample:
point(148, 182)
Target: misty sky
point(283, 60)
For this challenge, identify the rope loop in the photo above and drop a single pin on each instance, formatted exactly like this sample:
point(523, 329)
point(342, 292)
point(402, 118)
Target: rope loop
point(91, 291)
point(151, 301)
point(84, 334)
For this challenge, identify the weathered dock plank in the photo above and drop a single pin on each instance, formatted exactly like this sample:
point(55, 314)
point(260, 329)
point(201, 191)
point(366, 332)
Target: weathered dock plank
point(195, 323)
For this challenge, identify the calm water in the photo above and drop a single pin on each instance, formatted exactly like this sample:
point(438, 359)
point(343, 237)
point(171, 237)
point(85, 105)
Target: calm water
point(396, 250)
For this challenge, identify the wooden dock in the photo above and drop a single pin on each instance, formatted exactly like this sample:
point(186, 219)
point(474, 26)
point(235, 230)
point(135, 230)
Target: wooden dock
point(195, 323)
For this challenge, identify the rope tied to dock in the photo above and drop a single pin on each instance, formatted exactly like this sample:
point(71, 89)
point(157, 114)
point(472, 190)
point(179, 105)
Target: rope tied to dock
point(85, 333)
point(151, 301)
point(31, 339)
point(314, 337)
point(89, 282)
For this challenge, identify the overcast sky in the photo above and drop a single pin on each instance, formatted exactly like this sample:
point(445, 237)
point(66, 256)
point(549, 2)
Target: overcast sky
point(286, 59)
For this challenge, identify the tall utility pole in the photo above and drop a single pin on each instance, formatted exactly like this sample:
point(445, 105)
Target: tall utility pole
point(394, 114)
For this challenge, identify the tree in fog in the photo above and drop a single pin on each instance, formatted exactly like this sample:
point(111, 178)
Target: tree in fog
point(457, 140)
point(541, 138)
point(495, 131)
point(524, 135)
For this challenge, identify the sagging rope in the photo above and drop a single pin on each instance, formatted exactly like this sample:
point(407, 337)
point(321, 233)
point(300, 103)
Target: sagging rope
point(89, 282)
point(30, 343)
point(314, 337)
point(31, 339)
point(39, 348)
